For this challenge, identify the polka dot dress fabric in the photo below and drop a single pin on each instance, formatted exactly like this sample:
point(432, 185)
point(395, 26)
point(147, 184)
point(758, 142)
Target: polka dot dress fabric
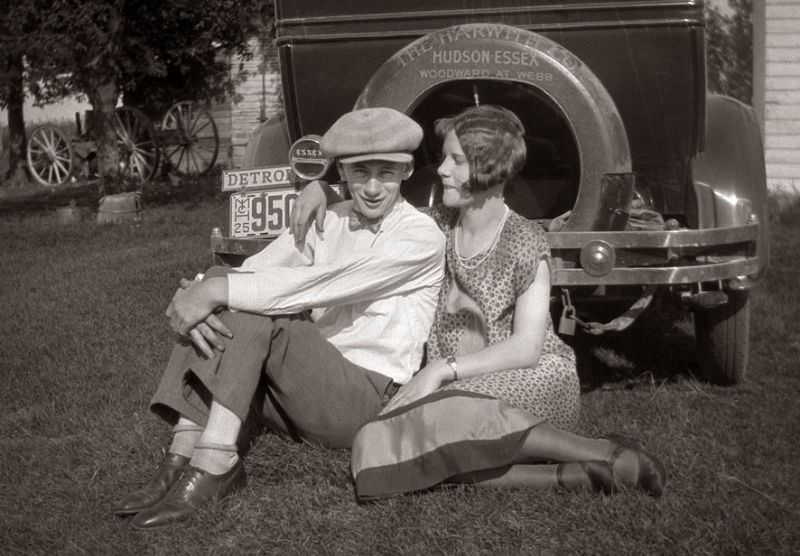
point(476, 308)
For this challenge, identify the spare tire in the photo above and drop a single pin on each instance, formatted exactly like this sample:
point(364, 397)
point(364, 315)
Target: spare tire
point(488, 51)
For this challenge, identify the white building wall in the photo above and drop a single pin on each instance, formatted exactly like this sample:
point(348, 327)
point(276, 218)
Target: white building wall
point(258, 96)
point(780, 91)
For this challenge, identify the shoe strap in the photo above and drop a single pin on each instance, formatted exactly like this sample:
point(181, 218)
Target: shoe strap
point(560, 475)
point(612, 459)
point(187, 428)
point(214, 446)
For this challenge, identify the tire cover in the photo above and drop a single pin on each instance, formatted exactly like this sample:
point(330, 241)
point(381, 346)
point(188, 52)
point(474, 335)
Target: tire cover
point(487, 51)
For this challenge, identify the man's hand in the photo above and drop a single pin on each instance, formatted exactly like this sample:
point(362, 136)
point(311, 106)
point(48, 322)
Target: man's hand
point(309, 205)
point(193, 304)
point(205, 336)
point(426, 381)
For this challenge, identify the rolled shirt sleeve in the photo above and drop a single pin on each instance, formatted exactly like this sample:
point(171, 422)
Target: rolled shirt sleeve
point(339, 267)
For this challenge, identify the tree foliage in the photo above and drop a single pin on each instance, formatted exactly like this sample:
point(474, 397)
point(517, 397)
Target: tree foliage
point(18, 22)
point(109, 46)
point(147, 45)
point(729, 49)
point(150, 51)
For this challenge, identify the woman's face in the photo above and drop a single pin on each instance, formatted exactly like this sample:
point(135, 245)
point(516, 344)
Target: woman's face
point(454, 173)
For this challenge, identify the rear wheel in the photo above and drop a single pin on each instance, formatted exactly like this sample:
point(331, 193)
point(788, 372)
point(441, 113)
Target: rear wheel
point(723, 340)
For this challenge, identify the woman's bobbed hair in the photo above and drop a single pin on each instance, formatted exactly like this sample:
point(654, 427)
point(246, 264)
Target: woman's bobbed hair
point(493, 140)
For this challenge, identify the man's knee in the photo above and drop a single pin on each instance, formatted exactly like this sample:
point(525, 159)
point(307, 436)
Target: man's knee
point(243, 325)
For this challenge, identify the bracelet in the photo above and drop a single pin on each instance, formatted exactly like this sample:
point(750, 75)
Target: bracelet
point(451, 361)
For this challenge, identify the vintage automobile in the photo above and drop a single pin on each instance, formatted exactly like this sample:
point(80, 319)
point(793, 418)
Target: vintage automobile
point(647, 184)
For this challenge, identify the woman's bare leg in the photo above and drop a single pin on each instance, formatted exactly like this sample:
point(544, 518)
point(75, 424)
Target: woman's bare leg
point(571, 476)
point(549, 443)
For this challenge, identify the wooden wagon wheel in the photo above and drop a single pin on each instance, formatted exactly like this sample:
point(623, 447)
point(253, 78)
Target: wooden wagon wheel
point(138, 148)
point(189, 139)
point(49, 155)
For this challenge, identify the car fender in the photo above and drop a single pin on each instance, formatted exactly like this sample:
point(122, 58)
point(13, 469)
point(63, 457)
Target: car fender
point(729, 175)
point(268, 144)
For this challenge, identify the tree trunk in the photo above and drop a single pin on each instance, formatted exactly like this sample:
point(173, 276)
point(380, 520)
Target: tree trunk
point(15, 95)
point(103, 98)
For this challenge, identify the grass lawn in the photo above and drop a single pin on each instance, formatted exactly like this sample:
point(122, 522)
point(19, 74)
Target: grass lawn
point(83, 340)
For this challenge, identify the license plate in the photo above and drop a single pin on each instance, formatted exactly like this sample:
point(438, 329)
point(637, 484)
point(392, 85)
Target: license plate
point(261, 213)
point(257, 178)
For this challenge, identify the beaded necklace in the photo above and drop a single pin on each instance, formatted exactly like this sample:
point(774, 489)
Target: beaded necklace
point(475, 260)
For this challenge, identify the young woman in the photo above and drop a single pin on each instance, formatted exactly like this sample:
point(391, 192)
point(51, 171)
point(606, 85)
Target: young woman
point(500, 391)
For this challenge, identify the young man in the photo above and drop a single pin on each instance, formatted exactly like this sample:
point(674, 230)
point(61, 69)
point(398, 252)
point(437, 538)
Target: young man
point(370, 282)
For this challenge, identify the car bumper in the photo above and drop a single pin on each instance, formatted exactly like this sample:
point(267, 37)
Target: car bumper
point(663, 257)
point(623, 258)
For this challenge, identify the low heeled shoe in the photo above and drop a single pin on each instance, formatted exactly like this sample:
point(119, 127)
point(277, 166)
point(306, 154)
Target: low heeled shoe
point(194, 489)
point(652, 475)
point(600, 475)
point(159, 484)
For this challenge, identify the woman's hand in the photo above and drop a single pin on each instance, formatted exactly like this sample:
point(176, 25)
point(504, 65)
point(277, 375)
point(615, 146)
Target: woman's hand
point(309, 205)
point(426, 381)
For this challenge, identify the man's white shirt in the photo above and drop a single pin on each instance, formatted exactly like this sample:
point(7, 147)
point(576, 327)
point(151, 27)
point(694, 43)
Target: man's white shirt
point(372, 292)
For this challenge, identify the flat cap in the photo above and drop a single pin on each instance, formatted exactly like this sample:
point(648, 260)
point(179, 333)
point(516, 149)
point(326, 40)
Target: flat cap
point(372, 134)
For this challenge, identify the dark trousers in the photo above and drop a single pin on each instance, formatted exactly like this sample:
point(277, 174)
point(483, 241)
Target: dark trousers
point(310, 390)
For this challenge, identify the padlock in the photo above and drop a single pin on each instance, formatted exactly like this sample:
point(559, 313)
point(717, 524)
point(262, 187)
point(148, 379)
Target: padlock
point(566, 324)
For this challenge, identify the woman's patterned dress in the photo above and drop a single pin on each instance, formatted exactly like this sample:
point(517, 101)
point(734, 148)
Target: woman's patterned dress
point(475, 423)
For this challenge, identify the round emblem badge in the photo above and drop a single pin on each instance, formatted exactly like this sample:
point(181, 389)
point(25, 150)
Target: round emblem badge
point(306, 158)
